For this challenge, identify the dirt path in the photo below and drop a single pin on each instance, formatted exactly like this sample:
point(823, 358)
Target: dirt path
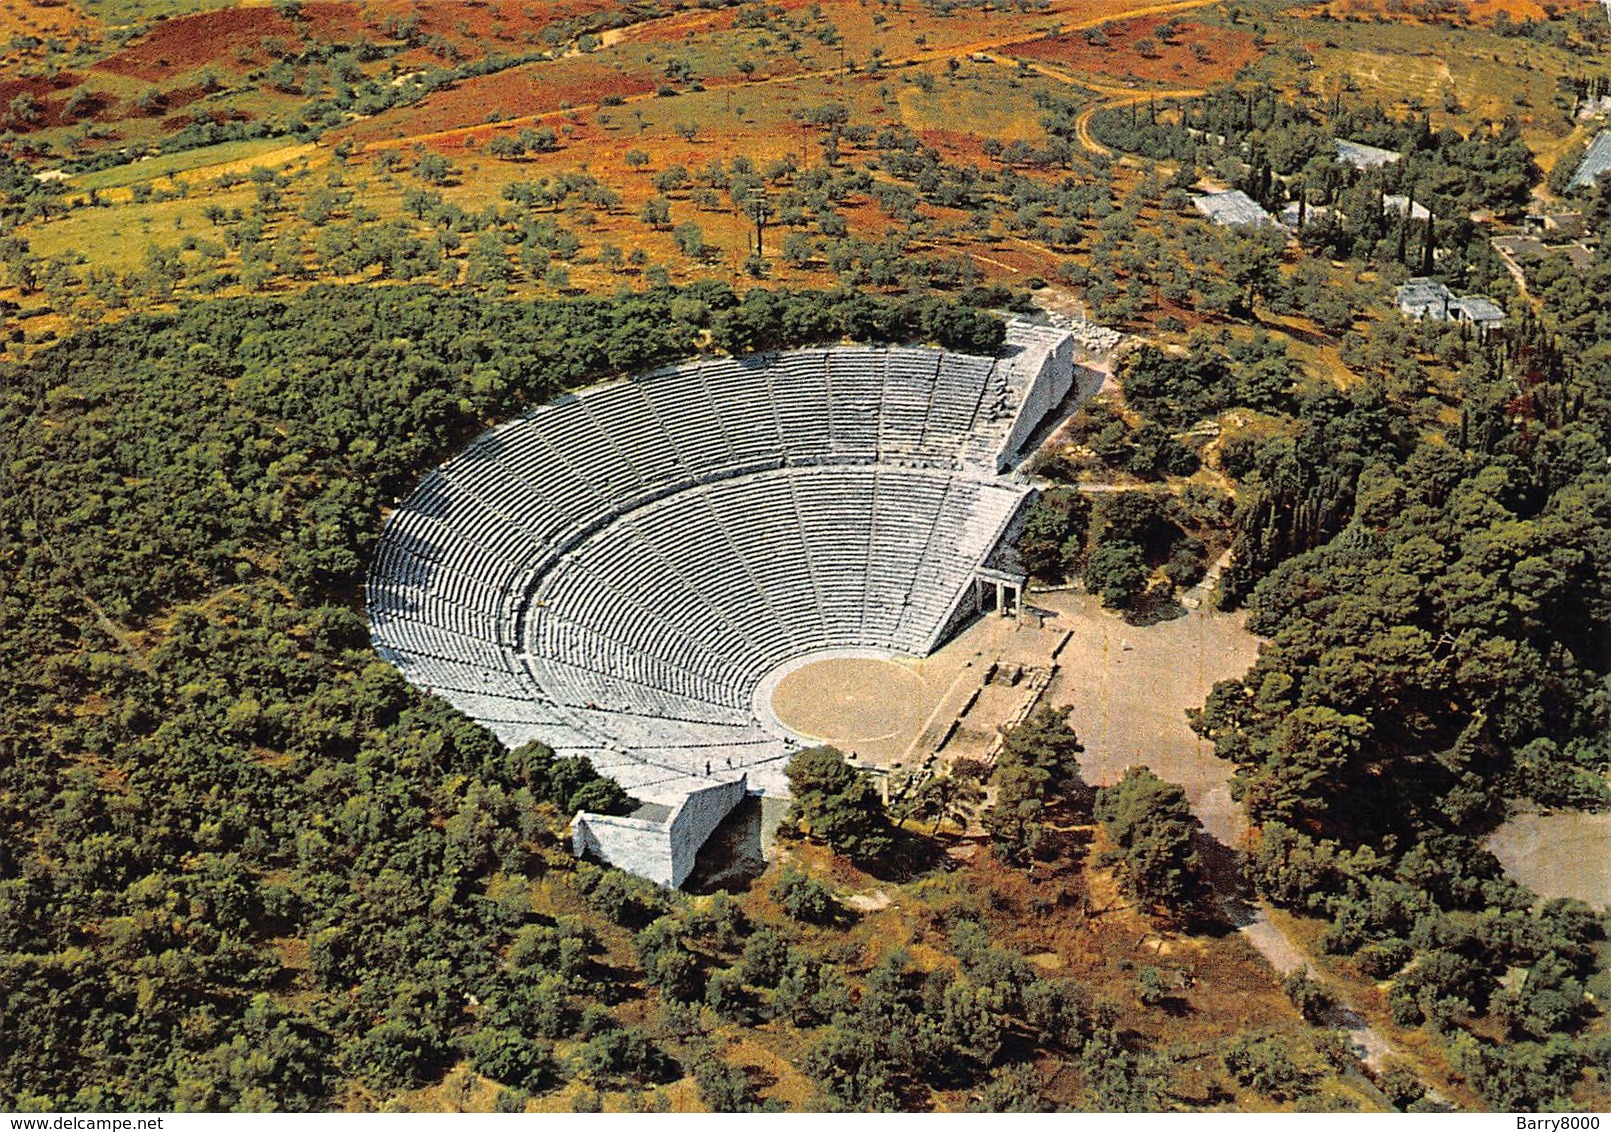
point(932, 55)
point(1115, 97)
point(1082, 124)
point(107, 625)
point(1128, 686)
point(1122, 488)
point(1270, 942)
point(1285, 957)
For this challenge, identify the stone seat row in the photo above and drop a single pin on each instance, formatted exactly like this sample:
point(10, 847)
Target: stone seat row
point(615, 573)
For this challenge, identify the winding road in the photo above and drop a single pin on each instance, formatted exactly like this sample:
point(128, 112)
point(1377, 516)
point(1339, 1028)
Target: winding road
point(1114, 97)
point(985, 47)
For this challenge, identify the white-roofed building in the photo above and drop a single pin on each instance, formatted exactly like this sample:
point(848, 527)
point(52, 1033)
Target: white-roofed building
point(1362, 156)
point(1290, 214)
point(1424, 298)
point(1595, 162)
point(1481, 312)
point(1232, 208)
point(1400, 204)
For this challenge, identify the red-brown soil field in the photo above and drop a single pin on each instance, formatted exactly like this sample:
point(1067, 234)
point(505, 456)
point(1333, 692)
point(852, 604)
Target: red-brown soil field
point(1197, 53)
point(538, 89)
point(233, 37)
point(1469, 11)
point(216, 39)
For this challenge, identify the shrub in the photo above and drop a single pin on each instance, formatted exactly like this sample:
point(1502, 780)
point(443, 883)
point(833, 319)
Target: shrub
point(836, 804)
point(510, 1058)
point(1384, 957)
point(1265, 1065)
point(805, 898)
point(1311, 999)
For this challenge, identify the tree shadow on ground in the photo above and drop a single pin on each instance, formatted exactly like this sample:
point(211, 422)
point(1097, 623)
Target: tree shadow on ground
point(910, 857)
point(614, 985)
point(731, 859)
point(1154, 609)
point(1227, 903)
point(1068, 846)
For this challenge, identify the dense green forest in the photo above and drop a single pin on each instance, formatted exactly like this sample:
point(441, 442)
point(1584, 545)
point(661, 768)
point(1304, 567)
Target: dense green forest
point(1288, 144)
point(1438, 608)
point(245, 865)
point(1426, 548)
point(1444, 652)
point(1281, 151)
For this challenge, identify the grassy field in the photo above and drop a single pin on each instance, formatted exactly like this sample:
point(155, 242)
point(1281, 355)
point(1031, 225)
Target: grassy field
point(119, 235)
point(116, 12)
point(254, 151)
point(1461, 77)
point(953, 110)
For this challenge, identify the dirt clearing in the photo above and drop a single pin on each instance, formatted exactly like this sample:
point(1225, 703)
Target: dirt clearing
point(1565, 853)
point(1130, 687)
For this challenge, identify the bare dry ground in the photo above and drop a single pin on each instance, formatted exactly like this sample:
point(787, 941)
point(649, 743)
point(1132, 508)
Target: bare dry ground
point(1135, 49)
point(41, 18)
point(1563, 853)
point(1130, 687)
point(883, 711)
point(852, 700)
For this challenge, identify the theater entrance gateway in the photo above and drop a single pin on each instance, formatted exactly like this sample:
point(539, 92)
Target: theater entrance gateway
point(999, 590)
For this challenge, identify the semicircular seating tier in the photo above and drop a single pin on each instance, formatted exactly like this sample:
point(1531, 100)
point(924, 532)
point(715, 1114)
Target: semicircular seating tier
point(614, 573)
